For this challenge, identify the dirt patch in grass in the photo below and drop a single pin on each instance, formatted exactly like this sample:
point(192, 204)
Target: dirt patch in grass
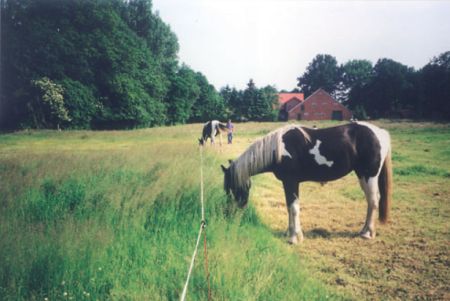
point(409, 258)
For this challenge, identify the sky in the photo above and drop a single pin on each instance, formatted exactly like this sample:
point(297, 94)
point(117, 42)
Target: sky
point(273, 42)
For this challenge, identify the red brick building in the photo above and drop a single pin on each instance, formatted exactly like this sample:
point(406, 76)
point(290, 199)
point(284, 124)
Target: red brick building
point(287, 102)
point(318, 106)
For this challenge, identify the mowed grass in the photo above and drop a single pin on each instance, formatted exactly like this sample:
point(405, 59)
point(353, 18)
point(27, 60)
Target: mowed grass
point(115, 215)
point(409, 259)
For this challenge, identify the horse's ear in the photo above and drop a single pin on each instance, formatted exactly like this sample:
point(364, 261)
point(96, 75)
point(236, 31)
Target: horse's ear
point(230, 161)
point(224, 169)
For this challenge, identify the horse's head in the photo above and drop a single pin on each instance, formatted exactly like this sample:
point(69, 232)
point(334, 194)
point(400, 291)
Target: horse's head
point(239, 191)
point(201, 141)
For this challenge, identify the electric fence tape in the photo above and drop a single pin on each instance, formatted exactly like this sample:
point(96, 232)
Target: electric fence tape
point(202, 227)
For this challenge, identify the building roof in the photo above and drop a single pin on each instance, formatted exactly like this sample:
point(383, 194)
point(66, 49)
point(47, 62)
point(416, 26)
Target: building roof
point(322, 90)
point(285, 97)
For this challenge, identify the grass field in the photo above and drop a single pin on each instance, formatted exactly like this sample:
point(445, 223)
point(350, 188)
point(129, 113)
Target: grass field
point(114, 215)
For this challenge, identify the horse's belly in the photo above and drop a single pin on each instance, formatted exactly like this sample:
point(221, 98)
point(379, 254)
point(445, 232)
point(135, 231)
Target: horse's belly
point(324, 174)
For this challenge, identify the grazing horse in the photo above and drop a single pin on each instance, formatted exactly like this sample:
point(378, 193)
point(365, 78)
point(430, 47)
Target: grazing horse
point(297, 154)
point(210, 130)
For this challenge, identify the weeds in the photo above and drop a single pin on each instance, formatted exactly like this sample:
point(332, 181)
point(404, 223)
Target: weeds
point(120, 223)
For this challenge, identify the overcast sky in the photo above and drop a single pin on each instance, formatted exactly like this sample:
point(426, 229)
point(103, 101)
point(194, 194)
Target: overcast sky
point(272, 42)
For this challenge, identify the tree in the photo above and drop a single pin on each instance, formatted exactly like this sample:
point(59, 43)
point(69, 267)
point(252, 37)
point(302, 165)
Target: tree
point(158, 35)
point(209, 104)
point(356, 74)
point(250, 98)
point(389, 90)
point(435, 80)
point(322, 72)
point(80, 102)
point(183, 93)
point(117, 70)
point(233, 101)
point(49, 99)
point(269, 97)
point(258, 104)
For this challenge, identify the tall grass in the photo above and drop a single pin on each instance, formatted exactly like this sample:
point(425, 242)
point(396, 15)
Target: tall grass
point(115, 216)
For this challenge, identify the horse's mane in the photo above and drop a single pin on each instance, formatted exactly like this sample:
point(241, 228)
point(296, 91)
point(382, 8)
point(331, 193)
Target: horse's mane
point(261, 154)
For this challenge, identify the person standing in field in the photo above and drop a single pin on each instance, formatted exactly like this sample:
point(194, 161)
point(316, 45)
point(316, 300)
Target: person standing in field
point(230, 128)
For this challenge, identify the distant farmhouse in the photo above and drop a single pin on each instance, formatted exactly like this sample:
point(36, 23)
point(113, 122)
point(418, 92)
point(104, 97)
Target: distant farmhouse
point(318, 106)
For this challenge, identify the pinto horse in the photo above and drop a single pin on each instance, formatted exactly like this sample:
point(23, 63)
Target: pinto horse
point(210, 130)
point(297, 154)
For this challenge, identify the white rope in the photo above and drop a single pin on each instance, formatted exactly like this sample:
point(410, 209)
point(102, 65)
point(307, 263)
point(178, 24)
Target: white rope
point(201, 183)
point(183, 295)
point(202, 226)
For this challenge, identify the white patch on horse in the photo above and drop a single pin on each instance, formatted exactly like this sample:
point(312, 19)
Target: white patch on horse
point(214, 125)
point(285, 153)
point(384, 139)
point(321, 160)
point(294, 230)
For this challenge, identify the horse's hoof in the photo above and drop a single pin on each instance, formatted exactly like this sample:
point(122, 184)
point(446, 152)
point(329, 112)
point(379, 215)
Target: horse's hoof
point(293, 240)
point(366, 235)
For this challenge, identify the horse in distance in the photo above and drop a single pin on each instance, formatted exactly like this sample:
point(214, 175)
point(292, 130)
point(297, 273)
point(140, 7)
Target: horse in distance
point(296, 154)
point(210, 130)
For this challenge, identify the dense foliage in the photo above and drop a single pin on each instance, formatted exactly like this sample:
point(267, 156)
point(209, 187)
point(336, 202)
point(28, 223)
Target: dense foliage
point(253, 103)
point(323, 72)
point(114, 64)
point(387, 89)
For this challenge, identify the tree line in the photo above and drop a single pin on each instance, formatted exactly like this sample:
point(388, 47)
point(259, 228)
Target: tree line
point(102, 64)
point(114, 64)
point(386, 89)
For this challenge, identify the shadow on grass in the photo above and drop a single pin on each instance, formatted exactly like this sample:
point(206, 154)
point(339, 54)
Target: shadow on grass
point(320, 233)
point(324, 233)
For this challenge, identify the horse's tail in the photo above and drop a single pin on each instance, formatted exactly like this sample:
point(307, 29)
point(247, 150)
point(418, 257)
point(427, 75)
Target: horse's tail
point(222, 126)
point(385, 186)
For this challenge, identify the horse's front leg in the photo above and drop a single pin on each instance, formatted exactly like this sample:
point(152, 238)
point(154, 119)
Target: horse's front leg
point(292, 202)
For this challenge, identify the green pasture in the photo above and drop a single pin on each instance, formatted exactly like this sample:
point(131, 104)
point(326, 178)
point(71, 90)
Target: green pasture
point(114, 215)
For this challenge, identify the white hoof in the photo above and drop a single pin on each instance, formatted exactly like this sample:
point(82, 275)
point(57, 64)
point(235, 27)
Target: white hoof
point(293, 240)
point(367, 235)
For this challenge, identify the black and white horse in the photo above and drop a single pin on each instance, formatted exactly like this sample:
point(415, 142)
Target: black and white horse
point(297, 154)
point(210, 130)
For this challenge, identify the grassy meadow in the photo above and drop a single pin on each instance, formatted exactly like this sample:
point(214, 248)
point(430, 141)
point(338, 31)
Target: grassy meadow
point(115, 215)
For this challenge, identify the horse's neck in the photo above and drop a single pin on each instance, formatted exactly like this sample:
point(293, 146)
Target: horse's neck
point(249, 164)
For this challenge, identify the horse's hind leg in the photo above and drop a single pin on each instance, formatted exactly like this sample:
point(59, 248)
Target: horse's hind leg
point(372, 193)
point(292, 202)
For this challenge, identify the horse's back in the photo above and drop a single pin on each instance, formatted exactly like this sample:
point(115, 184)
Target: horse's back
point(331, 153)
